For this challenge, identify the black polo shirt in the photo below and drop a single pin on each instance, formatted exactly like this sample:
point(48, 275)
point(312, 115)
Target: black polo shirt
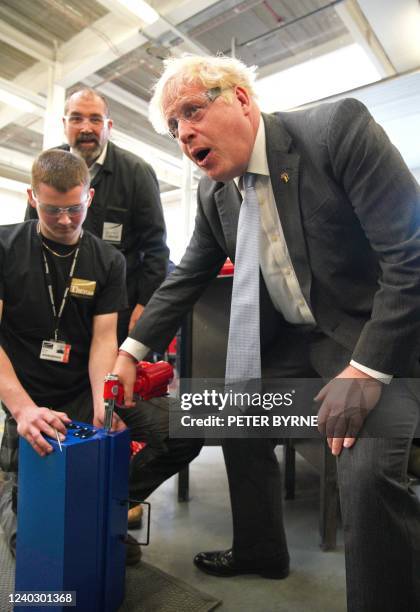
point(27, 313)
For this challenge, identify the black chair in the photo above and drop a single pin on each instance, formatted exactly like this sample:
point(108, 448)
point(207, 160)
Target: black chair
point(201, 347)
point(201, 353)
point(318, 454)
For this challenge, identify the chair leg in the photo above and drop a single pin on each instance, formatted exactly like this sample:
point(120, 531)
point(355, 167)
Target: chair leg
point(289, 461)
point(183, 484)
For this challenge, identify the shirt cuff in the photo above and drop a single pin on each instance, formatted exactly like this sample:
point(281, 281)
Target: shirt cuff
point(135, 348)
point(383, 378)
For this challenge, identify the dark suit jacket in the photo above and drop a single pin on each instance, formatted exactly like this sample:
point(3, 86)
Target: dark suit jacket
point(351, 218)
point(127, 193)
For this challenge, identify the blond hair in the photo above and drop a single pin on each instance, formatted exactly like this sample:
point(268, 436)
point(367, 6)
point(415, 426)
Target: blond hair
point(219, 71)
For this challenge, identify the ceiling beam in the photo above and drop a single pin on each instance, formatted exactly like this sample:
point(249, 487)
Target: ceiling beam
point(15, 160)
point(96, 47)
point(93, 48)
point(190, 44)
point(397, 26)
point(120, 95)
point(122, 12)
point(359, 27)
point(87, 52)
point(25, 44)
point(179, 12)
point(14, 174)
point(163, 24)
point(37, 102)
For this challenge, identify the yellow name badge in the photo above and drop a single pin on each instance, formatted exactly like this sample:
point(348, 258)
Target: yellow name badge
point(83, 287)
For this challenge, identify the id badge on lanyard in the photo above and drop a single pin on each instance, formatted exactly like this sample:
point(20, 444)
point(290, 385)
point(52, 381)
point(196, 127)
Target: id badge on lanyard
point(57, 350)
point(54, 350)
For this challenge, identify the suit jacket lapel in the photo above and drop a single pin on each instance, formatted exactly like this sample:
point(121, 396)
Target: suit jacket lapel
point(228, 202)
point(284, 175)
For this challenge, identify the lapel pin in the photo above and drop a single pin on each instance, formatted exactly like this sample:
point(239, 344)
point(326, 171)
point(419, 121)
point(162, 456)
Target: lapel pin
point(284, 177)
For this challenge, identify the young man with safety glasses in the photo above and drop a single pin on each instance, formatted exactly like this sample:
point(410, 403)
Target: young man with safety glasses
point(61, 289)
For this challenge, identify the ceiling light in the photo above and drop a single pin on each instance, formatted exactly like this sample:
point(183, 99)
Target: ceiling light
point(341, 70)
point(141, 9)
point(17, 102)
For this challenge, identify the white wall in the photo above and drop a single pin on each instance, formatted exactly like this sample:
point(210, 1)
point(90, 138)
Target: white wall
point(416, 172)
point(178, 226)
point(12, 206)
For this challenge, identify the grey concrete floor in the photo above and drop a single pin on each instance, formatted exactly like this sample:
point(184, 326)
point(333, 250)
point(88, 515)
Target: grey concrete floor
point(180, 530)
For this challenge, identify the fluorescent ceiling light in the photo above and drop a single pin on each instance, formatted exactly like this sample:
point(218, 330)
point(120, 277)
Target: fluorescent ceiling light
point(329, 74)
point(17, 102)
point(141, 9)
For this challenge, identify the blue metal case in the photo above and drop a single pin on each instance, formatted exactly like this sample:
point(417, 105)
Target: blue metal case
point(72, 518)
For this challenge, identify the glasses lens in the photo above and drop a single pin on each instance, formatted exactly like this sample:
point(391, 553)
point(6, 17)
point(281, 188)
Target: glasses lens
point(56, 211)
point(51, 211)
point(173, 128)
point(193, 110)
point(80, 119)
point(75, 210)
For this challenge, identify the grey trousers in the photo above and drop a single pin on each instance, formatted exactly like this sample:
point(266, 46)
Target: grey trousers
point(381, 515)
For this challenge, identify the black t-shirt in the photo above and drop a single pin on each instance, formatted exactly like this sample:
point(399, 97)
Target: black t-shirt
point(27, 312)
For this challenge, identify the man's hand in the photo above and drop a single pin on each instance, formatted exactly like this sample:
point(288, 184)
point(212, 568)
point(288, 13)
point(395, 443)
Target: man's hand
point(346, 402)
point(32, 422)
point(99, 418)
point(135, 316)
point(125, 369)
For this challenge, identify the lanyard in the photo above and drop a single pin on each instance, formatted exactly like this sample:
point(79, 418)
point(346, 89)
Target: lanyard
point(57, 315)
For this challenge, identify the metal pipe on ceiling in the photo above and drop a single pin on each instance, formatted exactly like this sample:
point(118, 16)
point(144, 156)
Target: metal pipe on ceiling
point(250, 42)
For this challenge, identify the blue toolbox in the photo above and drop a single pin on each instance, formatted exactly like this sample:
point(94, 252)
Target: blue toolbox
point(72, 520)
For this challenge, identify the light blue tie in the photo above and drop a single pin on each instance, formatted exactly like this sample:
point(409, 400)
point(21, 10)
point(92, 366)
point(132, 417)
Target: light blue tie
point(243, 361)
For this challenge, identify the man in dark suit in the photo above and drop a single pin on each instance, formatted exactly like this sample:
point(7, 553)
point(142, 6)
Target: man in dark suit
point(339, 260)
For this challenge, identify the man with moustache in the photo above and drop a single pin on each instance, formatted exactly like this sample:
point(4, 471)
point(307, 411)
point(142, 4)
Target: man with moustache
point(330, 215)
point(126, 210)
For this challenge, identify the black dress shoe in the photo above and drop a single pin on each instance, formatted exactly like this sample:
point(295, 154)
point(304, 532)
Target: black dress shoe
point(132, 550)
point(222, 563)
